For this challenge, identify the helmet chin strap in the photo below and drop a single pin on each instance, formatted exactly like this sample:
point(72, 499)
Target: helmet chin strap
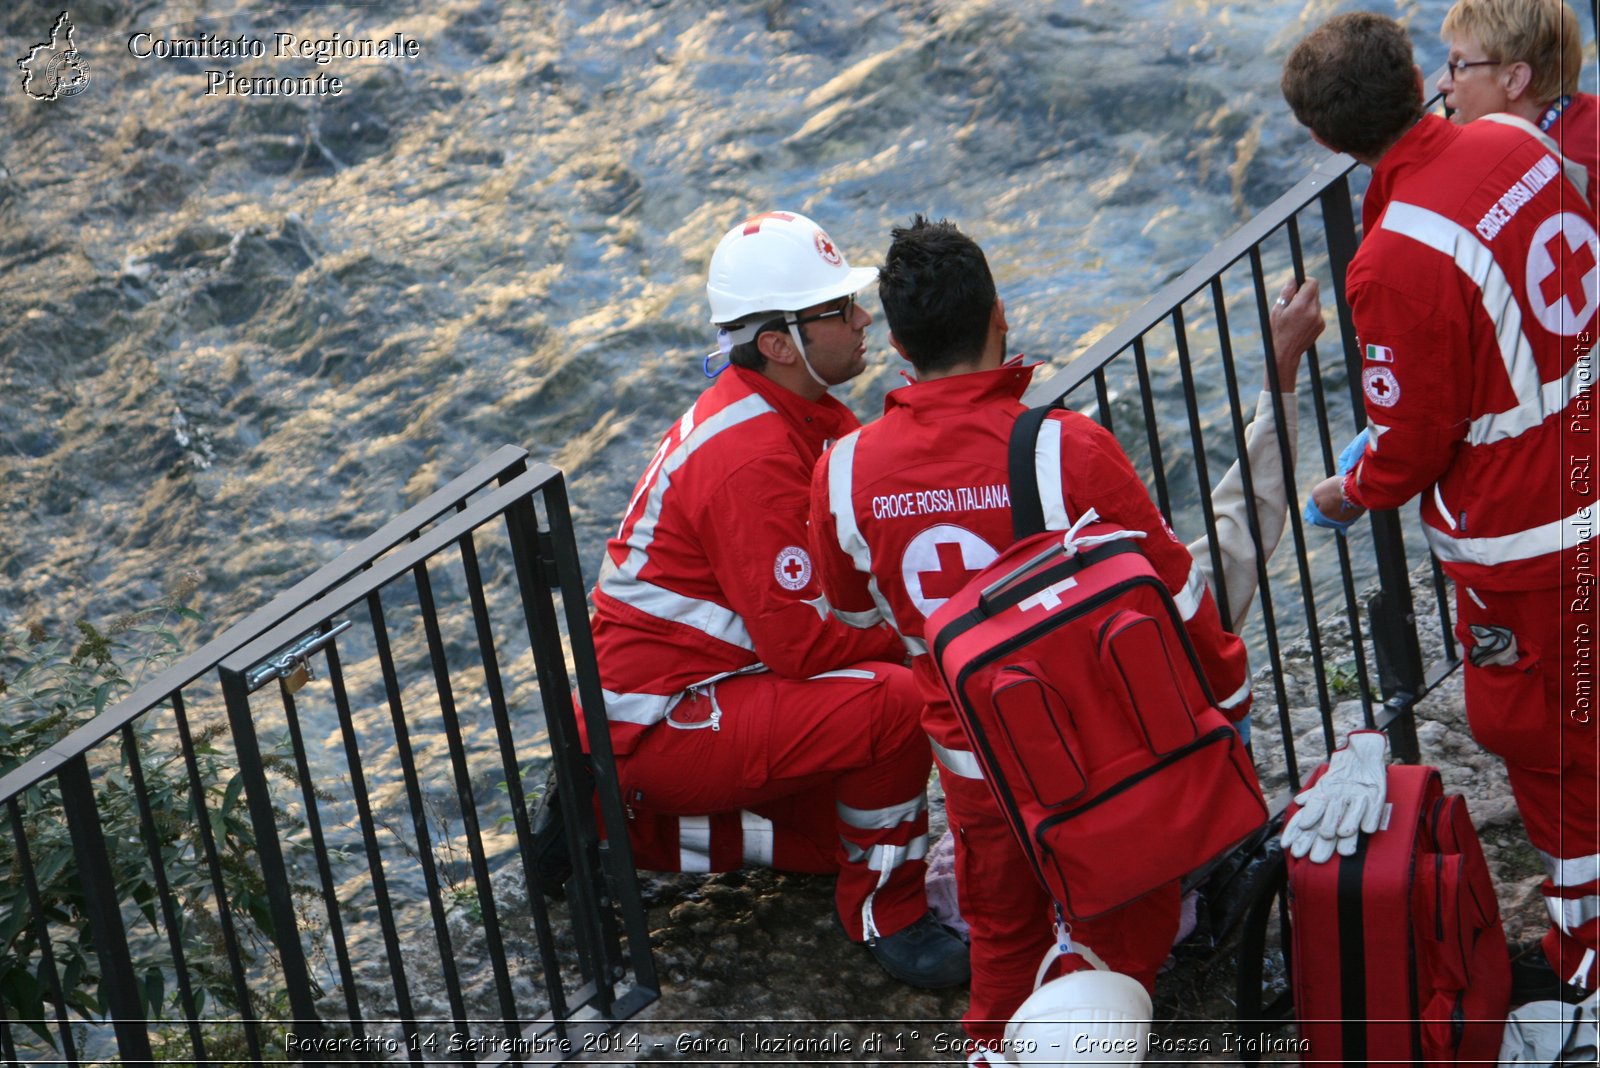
point(794, 332)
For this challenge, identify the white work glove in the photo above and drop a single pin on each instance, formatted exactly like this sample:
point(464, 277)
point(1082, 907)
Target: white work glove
point(1346, 800)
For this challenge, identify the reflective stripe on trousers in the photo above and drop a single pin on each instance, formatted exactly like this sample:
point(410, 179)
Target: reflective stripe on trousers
point(694, 841)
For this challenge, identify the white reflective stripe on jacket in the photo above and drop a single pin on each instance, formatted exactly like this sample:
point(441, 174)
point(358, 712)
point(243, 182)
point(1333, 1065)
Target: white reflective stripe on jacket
point(841, 493)
point(643, 530)
point(1537, 401)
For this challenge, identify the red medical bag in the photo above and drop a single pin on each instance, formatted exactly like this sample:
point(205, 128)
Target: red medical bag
point(1398, 954)
point(1070, 669)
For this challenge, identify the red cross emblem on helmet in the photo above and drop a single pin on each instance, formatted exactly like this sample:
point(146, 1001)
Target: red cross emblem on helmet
point(825, 249)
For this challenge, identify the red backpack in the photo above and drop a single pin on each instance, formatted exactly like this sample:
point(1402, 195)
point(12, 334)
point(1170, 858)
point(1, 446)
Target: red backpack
point(1069, 667)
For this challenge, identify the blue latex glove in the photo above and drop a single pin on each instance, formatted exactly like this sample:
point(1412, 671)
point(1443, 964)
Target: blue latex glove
point(1243, 727)
point(1352, 452)
point(1314, 516)
point(1348, 456)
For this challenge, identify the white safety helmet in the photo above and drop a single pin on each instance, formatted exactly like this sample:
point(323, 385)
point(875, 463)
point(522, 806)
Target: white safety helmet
point(778, 261)
point(1094, 1016)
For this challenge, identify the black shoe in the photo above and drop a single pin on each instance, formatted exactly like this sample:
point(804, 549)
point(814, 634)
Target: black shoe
point(552, 856)
point(1533, 978)
point(926, 954)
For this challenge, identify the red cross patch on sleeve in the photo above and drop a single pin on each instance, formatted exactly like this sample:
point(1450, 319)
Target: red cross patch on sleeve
point(792, 568)
point(1381, 386)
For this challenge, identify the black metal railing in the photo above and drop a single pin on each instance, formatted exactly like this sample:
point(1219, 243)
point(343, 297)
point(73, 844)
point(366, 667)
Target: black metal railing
point(356, 758)
point(1316, 582)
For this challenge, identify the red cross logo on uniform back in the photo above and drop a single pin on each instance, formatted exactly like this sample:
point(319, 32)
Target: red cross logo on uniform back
point(1563, 274)
point(953, 572)
point(939, 561)
point(1572, 267)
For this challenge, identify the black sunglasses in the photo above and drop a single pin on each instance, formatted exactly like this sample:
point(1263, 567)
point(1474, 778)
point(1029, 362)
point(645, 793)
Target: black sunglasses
point(845, 311)
point(1456, 66)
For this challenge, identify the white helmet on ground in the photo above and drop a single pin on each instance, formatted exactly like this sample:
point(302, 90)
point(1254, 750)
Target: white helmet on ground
point(778, 261)
point(1087, 1017)
point(1094, 1016)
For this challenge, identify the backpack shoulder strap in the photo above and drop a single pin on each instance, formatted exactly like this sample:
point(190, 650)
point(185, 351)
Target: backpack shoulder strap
point(1027, 513)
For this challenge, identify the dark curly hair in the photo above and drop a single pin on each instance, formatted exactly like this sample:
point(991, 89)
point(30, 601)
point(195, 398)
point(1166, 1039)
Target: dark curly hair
point(937, 294)
point(1352, 81)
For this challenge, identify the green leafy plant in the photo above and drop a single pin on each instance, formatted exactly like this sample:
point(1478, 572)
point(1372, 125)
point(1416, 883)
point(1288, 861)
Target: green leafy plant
point(50, 685)
point(1344, 681)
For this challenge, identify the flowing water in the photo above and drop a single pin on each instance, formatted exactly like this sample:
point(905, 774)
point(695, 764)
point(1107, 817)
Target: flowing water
point(239, 332)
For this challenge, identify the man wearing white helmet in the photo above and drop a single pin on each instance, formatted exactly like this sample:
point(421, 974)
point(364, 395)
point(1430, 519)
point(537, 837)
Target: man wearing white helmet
point(750, 727)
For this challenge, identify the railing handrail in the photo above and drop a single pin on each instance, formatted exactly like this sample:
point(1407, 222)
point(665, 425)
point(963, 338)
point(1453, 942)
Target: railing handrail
point(358, 587)
point(1230, 250)
point(1225, 254)
point(506, 459)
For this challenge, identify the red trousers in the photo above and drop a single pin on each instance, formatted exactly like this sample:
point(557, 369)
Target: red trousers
point(1534, 708)
point(827, 774)
point(1013, 920)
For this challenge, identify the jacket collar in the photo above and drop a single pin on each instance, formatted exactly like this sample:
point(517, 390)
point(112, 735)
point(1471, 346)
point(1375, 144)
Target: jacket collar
point(1416, 147)
point(959, 394)
point(817, 421)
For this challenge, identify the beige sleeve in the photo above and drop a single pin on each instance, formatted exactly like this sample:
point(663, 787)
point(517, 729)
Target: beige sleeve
point(1231, 509)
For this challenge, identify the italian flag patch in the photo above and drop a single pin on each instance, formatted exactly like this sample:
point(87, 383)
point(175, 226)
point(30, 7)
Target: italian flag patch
point(1380, 354)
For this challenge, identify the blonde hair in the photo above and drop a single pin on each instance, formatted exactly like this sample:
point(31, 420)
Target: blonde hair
point(1541, 33)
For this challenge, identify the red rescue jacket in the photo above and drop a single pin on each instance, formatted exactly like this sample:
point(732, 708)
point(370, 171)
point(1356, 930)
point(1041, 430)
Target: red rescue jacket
point(1474, 293)
point(905, 510)
point(709, 573)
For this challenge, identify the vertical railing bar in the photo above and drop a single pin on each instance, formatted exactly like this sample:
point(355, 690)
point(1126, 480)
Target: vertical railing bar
point(8, 1048)
point(567, 579)
point(369, 828)
point(1102, 398)
point(230, 937)
point(1152, 429)
point(505, 735)
point(41, 930)
point(1339, 229)
point(319, 846)
point(566, 749)
point(1441, 598)
point(147, 823)
point(419, 814)
point(465, 798)
point(269, 854)
point(118, 984)
point(1197, 443)
point(1230, 375)
point(617, 849)
point(1286, 464)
